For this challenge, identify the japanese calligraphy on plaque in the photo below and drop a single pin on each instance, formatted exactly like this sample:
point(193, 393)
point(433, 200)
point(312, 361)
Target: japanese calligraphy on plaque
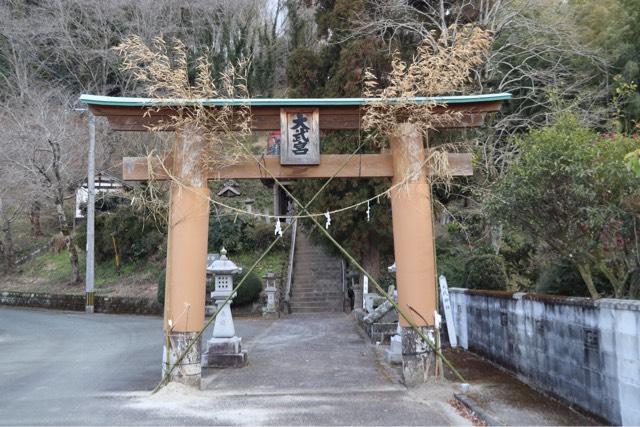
point(300, 132)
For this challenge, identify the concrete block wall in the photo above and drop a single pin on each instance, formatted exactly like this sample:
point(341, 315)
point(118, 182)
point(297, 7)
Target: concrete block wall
point(102, 304)
point(583, 351)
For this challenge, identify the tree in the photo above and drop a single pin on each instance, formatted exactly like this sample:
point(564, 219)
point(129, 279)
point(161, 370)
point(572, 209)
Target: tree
point(10, 210)
point(570, 192)
point(44, 144)
point(612, 28)
point(337, 70)
point(537, 55)
point(68, 43)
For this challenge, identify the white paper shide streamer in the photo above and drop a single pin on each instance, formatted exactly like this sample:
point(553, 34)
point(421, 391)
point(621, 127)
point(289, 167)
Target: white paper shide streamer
point(278, 229)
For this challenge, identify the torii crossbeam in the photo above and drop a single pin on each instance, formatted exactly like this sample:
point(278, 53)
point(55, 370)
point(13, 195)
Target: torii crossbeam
point(189, 206)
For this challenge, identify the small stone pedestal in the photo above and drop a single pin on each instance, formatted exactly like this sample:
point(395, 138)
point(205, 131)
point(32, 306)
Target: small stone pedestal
point(226, 353)
point(394, 353)
point(270, 311)
point(224, 349)
point(417, 356)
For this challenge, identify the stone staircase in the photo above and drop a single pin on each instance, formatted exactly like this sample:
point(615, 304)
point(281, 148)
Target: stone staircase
point(317, 278)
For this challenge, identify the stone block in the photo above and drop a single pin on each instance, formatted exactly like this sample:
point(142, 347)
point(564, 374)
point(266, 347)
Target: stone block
point(626, 322)
point(607, 341)
point(381, 312)
point(394, 353)
point(372, 301)
point(390, 317)
point(592, 359)
point(237, 360)
point(629, 370)
point(629, 395)
point(225, 353)
point(224, 345)
point(629, 345)
point(630, 416)
point(272, 315)
point(382, 332)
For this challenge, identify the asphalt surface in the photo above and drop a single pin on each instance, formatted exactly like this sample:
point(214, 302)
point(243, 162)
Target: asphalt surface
point(60, 368)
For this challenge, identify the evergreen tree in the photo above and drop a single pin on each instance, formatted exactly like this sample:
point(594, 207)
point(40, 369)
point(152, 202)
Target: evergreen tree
point(337, 70)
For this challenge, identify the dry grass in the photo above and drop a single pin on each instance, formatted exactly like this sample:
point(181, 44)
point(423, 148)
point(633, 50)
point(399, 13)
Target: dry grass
point(222, 131)
point(447, 69)
point(164, 73)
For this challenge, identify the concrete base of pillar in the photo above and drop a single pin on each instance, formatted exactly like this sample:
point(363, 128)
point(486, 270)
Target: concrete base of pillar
point(417, 357)
point(225, 353)
point(189, 370)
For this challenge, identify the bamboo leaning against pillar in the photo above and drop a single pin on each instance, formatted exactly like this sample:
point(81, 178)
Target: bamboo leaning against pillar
point(186, 259)
point(413, 249)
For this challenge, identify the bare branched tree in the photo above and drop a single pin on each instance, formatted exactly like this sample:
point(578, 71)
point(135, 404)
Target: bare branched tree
point(44, 143)
point(69, 42)
point(11, 207)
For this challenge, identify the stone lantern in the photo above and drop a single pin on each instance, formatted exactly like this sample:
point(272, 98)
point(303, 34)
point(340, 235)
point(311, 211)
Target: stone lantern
point(271, 291)
point(224, 348)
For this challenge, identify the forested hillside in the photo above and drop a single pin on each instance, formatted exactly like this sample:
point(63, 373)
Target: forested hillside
point(552, 206)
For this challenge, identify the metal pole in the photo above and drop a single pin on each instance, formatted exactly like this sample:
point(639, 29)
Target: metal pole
point(91, 204)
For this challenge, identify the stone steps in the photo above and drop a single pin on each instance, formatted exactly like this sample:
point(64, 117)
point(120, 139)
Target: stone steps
point(308, 284)
point(313, 299)
point(317, 279)
point(308, 290)
point(320, 309)
point(315, 291)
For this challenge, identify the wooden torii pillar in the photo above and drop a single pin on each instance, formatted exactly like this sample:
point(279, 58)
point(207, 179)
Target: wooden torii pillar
point(185, 283)
point(189, 207)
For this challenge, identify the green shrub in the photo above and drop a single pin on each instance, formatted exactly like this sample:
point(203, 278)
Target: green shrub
point(485, 272)
point(450, 258)
point(162, 277)
point(386, 280)
point(136, 239)
point(562, 278)
point(249, 291)
point(519, 257)
point(231, 232)
point(263, 235)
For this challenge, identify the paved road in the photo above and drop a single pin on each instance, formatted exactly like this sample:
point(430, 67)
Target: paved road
point(72, 368)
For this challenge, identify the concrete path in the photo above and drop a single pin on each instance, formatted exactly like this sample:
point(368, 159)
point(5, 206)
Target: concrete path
point(70, 368)
point(318, 370)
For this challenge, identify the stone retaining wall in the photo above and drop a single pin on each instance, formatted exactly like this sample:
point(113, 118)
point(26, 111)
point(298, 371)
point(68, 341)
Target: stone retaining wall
point(584, 351)
point(102, 304)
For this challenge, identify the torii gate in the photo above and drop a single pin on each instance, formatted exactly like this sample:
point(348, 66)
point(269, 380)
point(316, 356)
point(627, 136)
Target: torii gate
point(189, 206)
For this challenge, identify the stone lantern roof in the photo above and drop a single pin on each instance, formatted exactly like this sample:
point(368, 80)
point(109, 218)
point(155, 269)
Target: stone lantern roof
point(223, 265)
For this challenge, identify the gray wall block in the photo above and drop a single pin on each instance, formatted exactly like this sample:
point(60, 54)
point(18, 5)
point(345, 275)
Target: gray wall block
point(585, 352)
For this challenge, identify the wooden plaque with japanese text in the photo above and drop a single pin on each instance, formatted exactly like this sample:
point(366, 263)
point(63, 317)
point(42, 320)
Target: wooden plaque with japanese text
point(300, 136)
